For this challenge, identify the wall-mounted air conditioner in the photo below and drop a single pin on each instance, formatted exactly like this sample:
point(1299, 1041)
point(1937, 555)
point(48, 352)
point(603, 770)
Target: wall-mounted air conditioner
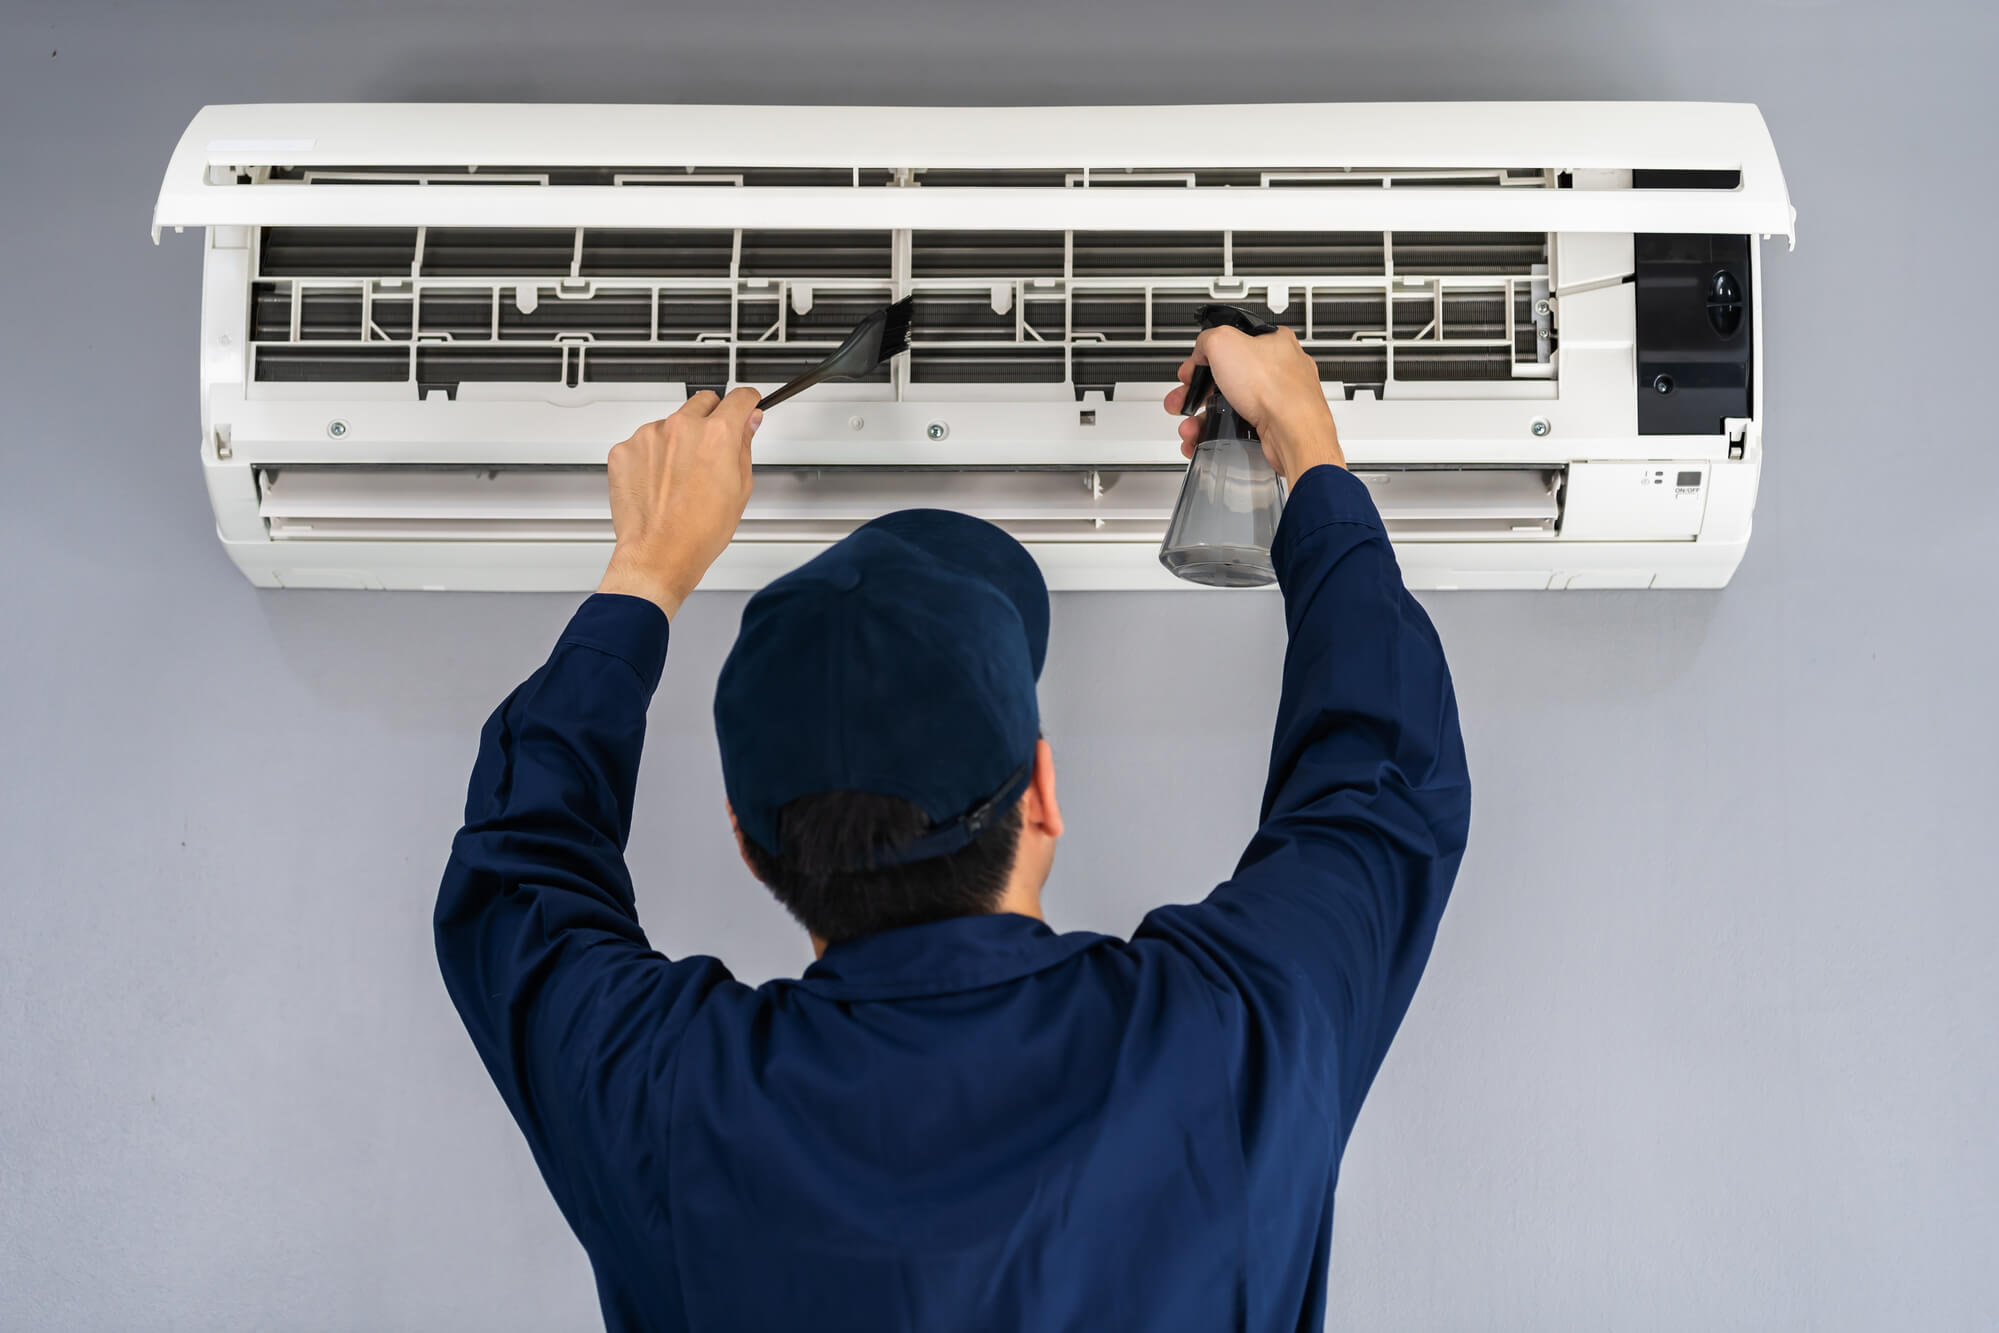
point(423, 325)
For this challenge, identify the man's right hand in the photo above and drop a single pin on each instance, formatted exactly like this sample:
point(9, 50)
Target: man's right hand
point(678, 489)
point(1274, 384)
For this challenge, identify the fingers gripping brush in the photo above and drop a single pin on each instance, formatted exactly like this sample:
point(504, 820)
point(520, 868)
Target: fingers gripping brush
point(874, 340)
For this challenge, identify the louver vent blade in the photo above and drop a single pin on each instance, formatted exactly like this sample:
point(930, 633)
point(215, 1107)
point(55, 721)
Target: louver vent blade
point(463, 252)
point(1330, 252)
point(692, 176)
point(611, 252)
point(817, 504)
point(986, 254)
point(1079, 175)
point(325, 252)
point(1443, 253)
point(317, 365)
point(1126, 253)
point(817, 254)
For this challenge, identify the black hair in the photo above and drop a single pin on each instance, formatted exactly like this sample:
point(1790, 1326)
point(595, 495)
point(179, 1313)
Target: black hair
point(821, 834)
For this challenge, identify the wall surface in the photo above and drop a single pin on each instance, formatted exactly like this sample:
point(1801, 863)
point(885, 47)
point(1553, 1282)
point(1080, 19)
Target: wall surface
point(1707, 1042)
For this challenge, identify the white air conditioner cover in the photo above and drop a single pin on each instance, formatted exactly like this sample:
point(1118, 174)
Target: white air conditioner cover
point(423, 325)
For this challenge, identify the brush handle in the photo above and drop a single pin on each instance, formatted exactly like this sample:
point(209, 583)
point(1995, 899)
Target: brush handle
point(799, 385)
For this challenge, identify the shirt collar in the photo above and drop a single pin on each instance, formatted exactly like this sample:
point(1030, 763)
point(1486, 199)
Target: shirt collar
point(958, 954)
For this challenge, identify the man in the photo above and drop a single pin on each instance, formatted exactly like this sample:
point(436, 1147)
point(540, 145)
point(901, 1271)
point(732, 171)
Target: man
point(957, 1118)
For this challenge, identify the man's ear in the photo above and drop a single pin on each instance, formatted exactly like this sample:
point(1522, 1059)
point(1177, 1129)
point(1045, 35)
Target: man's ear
point(742, 846)
point(1037, 804)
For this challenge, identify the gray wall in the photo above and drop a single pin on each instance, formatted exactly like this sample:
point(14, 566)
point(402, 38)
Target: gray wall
point(1707, 1041)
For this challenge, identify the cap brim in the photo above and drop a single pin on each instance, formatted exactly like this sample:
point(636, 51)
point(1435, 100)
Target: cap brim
point(985, 551)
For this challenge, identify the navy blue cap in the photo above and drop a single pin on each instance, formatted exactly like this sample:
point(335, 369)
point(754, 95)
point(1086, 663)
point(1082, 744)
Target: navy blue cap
point(901, 661)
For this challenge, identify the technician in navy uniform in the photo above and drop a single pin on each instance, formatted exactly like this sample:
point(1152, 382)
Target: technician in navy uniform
point(957, 1118)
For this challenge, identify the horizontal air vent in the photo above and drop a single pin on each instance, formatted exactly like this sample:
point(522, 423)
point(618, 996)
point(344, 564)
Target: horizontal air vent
point(704, 309)
point(1073, 177)
point(821, 504)
point(754, 177)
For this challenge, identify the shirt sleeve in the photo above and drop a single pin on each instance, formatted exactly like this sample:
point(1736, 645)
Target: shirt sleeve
point(1326, 924)
point(573, 1013)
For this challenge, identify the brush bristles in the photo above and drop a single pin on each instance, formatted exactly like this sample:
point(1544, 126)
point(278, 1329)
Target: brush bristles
point(883, 334)
point(895, 330)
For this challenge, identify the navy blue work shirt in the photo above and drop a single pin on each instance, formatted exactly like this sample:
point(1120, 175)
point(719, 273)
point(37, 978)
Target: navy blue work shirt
point(978, 1123)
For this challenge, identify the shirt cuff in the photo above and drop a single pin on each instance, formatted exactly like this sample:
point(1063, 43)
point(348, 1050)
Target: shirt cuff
point(631, 629)
point(1325, 494)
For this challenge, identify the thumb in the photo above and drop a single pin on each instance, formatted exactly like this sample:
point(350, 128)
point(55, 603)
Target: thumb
point(756, 418)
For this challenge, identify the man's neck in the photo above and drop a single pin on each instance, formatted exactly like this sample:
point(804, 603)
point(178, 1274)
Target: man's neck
point(1024, 903)
point(1021, 900)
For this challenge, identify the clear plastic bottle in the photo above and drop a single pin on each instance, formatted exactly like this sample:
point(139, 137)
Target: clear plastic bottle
point(1231, 501)
point(1226, 518)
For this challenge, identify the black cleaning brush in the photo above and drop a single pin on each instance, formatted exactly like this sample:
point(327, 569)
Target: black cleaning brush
point(874, 340)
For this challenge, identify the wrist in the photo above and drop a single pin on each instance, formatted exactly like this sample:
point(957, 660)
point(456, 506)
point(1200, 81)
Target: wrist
point(633, 574)
point(1304, 443)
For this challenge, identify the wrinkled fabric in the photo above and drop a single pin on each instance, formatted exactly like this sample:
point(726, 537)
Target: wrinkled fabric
point(978, 1123)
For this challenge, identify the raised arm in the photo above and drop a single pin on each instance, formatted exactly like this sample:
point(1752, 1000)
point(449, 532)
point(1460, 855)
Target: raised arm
point(536, 929)
point(1329, 918)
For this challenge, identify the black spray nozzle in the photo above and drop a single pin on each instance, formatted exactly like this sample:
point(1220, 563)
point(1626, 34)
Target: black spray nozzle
point(1214, 315)
point(1201, 383)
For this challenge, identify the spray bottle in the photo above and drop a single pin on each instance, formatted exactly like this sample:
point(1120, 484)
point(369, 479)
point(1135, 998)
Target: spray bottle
point(1229, 504)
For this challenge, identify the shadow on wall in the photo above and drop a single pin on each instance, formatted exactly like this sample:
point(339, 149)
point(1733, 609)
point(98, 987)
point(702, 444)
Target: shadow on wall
point(1515, 651)
point(414, 661)
point(441, 662)
point(1163, 663)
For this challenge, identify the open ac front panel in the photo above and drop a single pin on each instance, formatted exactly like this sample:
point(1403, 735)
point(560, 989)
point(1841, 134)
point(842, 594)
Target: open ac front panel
point(423, 326)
